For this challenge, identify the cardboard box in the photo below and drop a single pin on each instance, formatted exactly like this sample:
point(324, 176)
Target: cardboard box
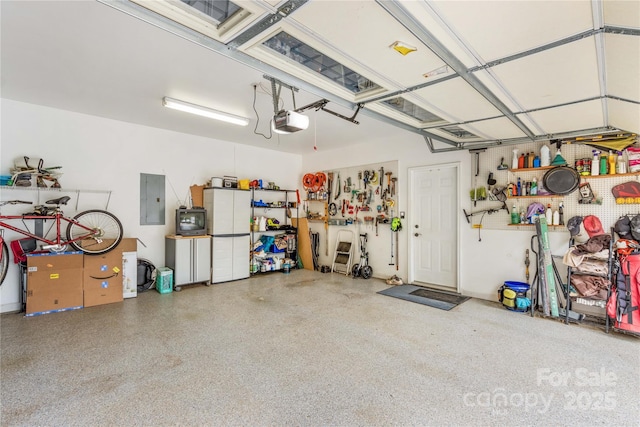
point(197, 195)
point(54, 282)
point(103, 275)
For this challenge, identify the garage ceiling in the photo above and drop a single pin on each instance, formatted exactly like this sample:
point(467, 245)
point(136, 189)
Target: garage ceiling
point(481, 73)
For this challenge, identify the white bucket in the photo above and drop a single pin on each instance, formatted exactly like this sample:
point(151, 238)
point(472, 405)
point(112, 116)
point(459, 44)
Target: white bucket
point(216, 182)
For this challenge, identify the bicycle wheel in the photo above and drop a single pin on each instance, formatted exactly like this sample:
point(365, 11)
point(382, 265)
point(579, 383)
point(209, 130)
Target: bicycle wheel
point(355, 271)
point(367, 272)
point(102, 232)
point(4, 262)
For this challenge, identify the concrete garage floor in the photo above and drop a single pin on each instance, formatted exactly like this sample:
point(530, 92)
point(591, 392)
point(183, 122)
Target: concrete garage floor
point(310, 349)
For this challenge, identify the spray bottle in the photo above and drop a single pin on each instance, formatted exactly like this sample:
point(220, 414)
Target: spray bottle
point(595, 168)
point(560, 214)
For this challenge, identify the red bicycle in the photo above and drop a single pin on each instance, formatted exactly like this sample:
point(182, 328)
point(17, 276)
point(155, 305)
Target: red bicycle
point(93, 232)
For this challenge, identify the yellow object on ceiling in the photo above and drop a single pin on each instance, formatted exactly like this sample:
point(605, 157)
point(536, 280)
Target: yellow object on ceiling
point(403, 48)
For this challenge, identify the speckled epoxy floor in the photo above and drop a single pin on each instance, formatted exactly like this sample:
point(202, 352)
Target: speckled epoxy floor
point(310, 349)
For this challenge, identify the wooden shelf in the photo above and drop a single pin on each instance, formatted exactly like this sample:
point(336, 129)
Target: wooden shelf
point(541, 168)
point(545, 196)
point(533, 225)
point(610, 176)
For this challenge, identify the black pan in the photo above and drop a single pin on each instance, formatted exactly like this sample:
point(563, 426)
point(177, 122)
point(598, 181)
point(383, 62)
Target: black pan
point(561, 180)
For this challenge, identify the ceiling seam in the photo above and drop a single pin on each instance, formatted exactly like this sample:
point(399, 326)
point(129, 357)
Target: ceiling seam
point(619, 98)
point(538, 49)
point(397, 11)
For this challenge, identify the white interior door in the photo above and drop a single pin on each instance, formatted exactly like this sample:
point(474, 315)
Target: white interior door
point(433, 228)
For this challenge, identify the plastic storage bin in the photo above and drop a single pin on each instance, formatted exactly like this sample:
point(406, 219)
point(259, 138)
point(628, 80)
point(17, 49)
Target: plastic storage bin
point(164, 280)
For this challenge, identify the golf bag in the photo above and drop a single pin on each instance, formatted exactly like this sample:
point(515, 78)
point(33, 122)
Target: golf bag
point(624, 301)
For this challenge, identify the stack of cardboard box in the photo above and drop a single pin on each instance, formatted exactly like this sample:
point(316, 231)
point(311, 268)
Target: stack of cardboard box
point(72, 280)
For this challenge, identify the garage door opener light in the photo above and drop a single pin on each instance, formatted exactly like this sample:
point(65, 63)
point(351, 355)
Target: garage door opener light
point(204, 111)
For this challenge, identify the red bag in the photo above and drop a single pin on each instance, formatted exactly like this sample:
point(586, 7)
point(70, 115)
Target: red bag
point(21, 248)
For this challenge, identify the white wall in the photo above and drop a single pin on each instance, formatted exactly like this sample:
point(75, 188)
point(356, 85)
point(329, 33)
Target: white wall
point(103, 154)
point(484, 265)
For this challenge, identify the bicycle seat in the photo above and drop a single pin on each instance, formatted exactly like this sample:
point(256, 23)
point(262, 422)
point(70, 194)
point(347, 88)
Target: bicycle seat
point(58, 201)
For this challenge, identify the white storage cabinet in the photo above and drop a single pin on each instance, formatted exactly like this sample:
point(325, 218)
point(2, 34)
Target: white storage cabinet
point(228, 222)
point(190, 259)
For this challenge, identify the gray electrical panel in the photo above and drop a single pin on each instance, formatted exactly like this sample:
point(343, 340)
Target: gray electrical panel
point(152, 200)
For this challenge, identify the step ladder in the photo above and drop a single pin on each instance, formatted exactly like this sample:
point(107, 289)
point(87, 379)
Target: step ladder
point(343, 252)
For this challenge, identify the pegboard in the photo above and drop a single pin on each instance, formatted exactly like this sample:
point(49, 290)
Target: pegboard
point(382, 199)
point(608, 211)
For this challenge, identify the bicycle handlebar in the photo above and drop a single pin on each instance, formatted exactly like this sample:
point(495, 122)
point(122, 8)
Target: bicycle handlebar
point(15, 202)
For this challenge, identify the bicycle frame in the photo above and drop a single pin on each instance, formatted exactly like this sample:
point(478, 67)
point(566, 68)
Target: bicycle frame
point(58, 217)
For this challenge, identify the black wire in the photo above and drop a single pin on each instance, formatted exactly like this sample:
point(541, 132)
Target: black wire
point(255, 130)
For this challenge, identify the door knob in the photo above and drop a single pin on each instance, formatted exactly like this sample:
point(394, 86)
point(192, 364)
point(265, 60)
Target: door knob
point(418, 234)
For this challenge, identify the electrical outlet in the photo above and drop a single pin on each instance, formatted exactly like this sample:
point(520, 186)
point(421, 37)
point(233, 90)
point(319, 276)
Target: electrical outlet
point(402, 215)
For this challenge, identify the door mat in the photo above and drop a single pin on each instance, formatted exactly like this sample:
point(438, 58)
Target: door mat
point(441, 300)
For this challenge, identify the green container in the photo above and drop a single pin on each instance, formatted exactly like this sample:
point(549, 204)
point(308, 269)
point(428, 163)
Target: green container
point(164, 280)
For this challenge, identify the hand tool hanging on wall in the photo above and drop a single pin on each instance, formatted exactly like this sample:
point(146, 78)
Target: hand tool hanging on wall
point(391, 261)
point(526, 264)
point(359, 179)
point(338, 188)
point(484, 211)
point(381, 174)
point(388, 182)
point(393, 186)
point(476, 172)
point(373, 177)
point(396, 226)
point(502, 166)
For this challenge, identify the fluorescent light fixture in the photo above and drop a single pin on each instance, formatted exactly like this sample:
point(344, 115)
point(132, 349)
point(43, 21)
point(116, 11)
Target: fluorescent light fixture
point(204, 111)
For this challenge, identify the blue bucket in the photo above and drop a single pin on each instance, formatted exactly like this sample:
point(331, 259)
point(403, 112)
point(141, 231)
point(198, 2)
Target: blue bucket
point(517, 286)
